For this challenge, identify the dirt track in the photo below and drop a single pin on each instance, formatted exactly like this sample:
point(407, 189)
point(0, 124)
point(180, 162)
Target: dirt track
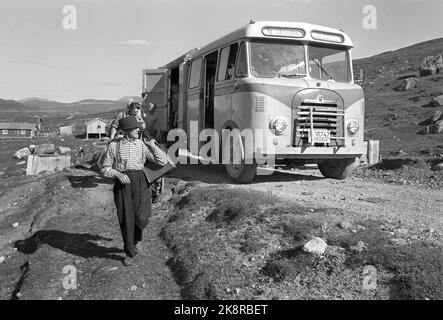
point(420, 208)
point(82, 231)
point(69, 220)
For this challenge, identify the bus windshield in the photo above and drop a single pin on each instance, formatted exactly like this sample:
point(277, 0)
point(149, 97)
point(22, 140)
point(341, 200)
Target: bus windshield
point(326, 63)
point(273, 59)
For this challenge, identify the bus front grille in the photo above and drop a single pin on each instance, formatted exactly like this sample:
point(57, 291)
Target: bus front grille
point(318, 116)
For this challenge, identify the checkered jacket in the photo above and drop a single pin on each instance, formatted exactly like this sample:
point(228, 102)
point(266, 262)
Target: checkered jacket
point(125, 155)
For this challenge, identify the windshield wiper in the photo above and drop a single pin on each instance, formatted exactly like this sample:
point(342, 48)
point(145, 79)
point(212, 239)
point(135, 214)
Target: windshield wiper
point(327, 73)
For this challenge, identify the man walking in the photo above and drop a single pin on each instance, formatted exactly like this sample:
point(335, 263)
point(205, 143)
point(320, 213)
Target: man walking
point(124, 161)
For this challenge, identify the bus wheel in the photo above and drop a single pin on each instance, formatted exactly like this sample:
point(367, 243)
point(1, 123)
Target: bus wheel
point(337, 168)
point(242, 172)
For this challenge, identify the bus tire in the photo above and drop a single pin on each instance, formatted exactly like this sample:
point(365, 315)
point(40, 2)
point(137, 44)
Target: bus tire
point(240, 173)
point(337, 168)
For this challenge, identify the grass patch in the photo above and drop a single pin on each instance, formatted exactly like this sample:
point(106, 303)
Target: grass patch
point(208, 258)
point(252, 242)
point(281, 210)
point(201, 288)
point(184, 265)
point(371, 235)
point(228, 211)
point(301, 228)
point(288, 264)
point(277, 269)
point(231, 205)
point(417, 267)
point(413, 171)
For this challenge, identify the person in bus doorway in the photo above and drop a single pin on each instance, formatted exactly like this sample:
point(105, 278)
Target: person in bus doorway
point(209, 108)
point(124, 161)
point(151, 120)
point(174, 105)
point(133, 109)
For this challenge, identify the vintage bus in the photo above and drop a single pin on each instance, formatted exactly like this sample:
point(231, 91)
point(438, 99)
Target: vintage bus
point(293, 80)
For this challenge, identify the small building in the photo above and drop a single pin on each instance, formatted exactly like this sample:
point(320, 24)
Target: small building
point(97, 127)
point(65, 130)
point(11, 130)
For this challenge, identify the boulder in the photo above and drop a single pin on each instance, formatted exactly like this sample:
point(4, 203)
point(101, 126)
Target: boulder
point(407, 84)
point(438, 127)
point(315, 246)
point(22, 153)
point(400, 231)
point(400, 242)
point(438, 115)
point(64, 150)
point(438, 167)
point(345, 225)
point(431, 65)
point(164, 196)
point(46, 148)
point(437, 102)
point(359, 247)
point(400, 152)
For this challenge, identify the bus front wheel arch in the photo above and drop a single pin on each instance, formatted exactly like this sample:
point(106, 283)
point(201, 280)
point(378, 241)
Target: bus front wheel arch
point(337, 168)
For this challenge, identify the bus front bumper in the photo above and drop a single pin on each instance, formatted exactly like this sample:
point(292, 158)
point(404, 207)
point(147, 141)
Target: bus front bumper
point(282, 152)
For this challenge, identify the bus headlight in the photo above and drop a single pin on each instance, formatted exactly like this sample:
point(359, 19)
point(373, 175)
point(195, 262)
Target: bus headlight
point(279, 125)
point(352, 127)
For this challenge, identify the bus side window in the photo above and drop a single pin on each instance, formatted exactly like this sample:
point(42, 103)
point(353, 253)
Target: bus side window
point(240, 69)
point(223, 66)
point(194, 79)
point(227, 62)
point(231, 61)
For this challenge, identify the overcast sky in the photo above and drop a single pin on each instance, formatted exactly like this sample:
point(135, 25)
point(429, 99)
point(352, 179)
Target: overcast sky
point(115, 40)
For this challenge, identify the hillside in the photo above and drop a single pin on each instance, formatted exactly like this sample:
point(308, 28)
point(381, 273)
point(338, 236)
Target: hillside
point(30, 108)
point(11, 106)
point(79, 107)
point(398, 62)
point(395, 118)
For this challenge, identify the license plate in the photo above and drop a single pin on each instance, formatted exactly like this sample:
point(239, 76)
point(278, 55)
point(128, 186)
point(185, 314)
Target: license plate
point(320, 136)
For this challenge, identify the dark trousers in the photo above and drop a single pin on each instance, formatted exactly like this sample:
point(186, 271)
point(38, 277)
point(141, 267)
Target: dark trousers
point(133, 202)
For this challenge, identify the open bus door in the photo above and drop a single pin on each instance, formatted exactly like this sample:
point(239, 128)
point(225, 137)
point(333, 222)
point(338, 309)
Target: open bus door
point(156, 88)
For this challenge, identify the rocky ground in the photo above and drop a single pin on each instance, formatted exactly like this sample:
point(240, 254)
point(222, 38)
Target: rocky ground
point(210, 239)
point(70, 222)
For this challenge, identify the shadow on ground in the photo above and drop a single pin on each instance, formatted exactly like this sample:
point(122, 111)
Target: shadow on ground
point(216, 174)
point(88, 181)
point(81, 245)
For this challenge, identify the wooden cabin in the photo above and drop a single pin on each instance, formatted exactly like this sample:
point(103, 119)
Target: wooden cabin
point(96, 127)
point(17, 130)
point(66, 130)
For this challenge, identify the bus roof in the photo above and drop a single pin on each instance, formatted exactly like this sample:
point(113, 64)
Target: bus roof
point(255, 30)
point(312, 33)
